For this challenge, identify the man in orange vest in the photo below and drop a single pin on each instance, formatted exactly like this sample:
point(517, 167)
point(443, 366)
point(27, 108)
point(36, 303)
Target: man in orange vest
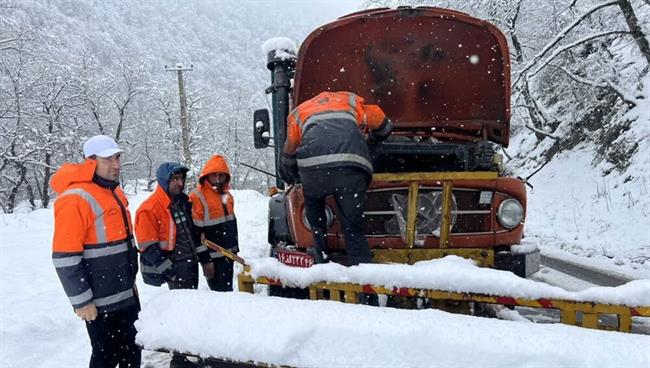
point(169, 244)
point(166, 235)
point(326, 150)
point(213, 213)
point(94, 253)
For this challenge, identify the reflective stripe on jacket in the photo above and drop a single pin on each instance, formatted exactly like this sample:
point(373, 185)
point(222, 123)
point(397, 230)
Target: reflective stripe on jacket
point(154, 223)
point(156, 233)
point(213, 212)
point(92, 249)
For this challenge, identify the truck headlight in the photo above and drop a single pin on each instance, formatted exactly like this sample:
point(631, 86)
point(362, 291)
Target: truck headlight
point(510, 213)
point(329, 218)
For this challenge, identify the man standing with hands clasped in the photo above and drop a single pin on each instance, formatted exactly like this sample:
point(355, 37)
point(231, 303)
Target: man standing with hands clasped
point(166, 236)
point(213, 213)
point(169, 245)
point(94, 253)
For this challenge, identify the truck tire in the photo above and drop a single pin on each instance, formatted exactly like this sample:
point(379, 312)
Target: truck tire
point(288, 292)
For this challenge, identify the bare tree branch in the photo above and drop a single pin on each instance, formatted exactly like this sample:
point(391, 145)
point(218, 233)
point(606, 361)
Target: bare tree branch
point(635, 29)
point(625, 97)
point(571, 45)
point(560, 36)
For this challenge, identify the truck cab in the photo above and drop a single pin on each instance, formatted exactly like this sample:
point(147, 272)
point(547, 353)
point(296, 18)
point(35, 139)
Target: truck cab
point(438, 189)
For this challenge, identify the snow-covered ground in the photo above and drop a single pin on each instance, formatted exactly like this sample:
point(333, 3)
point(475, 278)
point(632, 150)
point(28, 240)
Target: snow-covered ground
point(573, 210)
point(39, 329)
point(576, 210)
point(332, 334)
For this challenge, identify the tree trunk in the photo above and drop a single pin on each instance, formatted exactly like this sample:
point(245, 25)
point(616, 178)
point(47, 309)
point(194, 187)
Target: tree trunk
point(120, 124)
point(30, 193)
point(531, 106)
point(13, 193)
point(47, 174)
point(635, 29)
point(147, 154)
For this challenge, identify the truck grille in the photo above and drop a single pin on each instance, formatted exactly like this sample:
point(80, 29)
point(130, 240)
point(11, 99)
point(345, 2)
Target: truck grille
point(470, 215)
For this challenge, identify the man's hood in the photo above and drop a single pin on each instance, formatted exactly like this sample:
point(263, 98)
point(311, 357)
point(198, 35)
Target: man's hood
point(71, 173)
point(165, 172)
point(216, 164)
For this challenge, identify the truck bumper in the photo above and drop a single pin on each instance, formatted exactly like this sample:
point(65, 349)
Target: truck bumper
point(521, 264)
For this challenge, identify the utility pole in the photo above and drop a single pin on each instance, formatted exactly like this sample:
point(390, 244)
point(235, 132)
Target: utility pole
point(185, 128)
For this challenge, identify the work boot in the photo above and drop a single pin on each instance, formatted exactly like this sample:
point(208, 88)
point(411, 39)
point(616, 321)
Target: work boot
point(318, 250)
point(369, 299)
point(180, 361)
point(319, 256)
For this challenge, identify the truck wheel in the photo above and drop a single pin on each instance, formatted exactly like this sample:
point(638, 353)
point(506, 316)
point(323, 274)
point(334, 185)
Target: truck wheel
point(288, 292)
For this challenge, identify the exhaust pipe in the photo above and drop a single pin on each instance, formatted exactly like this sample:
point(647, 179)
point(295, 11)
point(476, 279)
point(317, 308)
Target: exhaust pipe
point(282, 70)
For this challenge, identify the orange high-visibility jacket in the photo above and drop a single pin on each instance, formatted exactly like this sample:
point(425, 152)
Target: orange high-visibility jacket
point(213, 212)
point(327, 131)
point(331, 104)
point(155, 231)
point(92, 249)
point(154, 223)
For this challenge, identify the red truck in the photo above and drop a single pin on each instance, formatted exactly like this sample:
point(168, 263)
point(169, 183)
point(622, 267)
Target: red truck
point(438, 189)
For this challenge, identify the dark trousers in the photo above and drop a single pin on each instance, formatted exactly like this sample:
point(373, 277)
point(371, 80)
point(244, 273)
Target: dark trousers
point(223, 272)
point(187, 275)
point(349, 190)
point(112, 336)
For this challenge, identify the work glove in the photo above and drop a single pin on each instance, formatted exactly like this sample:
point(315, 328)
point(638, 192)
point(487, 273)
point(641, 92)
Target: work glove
point(381, 133)
point(208, 270)
point(289, 169)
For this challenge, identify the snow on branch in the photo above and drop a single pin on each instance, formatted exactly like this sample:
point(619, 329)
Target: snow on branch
point(572, 45)
point(630, 100)
point(560, 36)
point(539, 131)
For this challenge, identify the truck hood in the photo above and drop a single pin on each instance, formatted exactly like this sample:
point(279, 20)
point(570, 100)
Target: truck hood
point(435, 72)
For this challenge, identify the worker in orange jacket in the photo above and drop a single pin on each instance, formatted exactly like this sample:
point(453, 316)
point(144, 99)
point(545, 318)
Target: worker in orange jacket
point(169, 245)
point(94, 253)
point(213, 213)
point(326, 150)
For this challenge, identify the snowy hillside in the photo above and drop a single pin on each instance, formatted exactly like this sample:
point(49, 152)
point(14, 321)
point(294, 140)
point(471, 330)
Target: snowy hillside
point(73, 69)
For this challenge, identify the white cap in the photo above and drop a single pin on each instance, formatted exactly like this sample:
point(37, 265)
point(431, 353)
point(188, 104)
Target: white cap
point(101, 146)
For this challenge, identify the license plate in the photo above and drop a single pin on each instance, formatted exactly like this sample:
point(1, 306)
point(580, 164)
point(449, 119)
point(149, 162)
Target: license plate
point(296, 259)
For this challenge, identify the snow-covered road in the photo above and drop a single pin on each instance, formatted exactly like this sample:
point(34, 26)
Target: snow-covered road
point(39, 329)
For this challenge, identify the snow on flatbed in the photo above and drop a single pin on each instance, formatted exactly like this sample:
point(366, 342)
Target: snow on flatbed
point(305, 333)
point(451, 273)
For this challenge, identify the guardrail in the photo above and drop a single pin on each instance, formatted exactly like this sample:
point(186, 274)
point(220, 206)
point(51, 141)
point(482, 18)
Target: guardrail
point(576, 313)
